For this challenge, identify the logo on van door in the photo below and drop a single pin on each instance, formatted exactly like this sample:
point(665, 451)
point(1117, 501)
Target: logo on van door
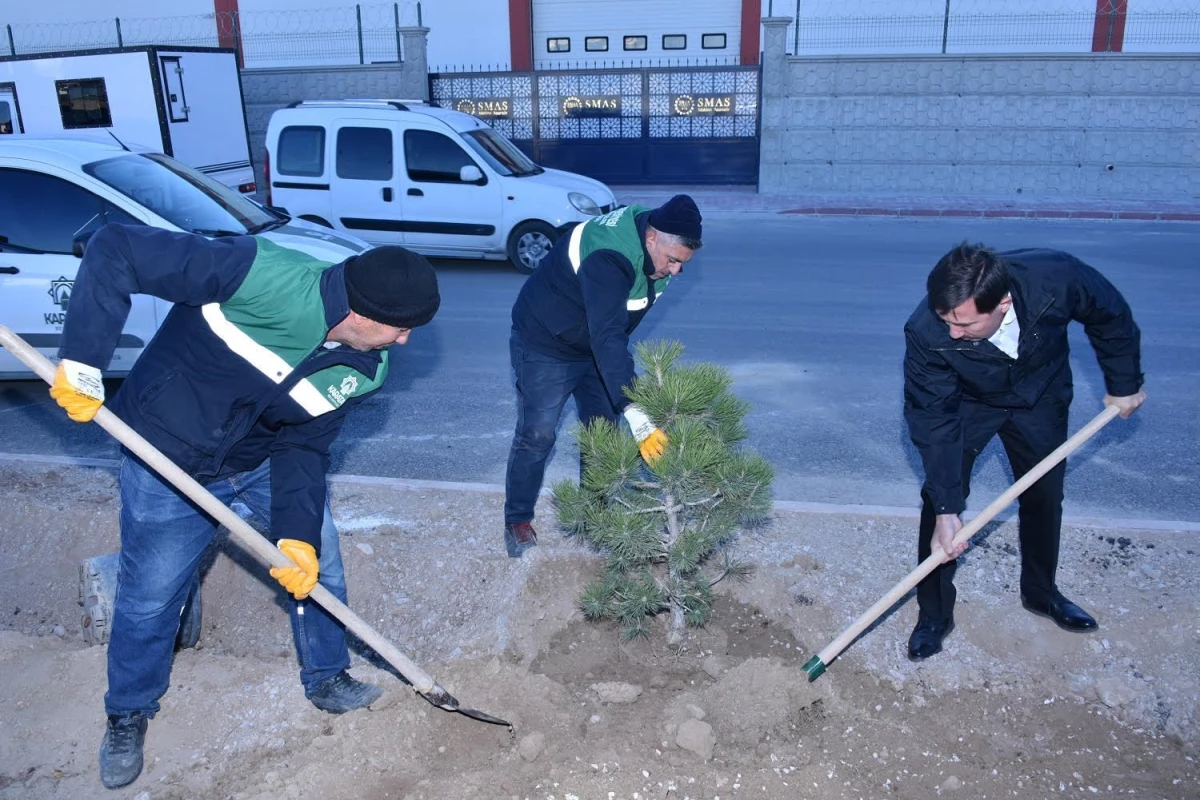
point(60, 293)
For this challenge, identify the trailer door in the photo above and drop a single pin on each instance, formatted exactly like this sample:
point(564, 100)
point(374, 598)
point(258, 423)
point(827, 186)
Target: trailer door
point(173, 91)
point(10, 112)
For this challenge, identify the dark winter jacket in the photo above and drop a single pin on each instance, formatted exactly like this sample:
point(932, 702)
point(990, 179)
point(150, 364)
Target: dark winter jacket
point(238, 372)
point(589, 294)
point(1049, 290)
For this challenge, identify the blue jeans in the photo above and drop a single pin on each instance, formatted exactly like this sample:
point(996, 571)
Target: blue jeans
point(163, 538)
point(544, 382)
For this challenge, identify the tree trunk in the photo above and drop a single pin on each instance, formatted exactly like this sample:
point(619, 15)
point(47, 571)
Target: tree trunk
point(678, 623)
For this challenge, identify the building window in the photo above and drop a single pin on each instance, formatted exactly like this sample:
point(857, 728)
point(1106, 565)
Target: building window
point(596, 44)
point(83, 103)
point(713, 41)
point(558, 45)
point(674, 41)
point(635, 42)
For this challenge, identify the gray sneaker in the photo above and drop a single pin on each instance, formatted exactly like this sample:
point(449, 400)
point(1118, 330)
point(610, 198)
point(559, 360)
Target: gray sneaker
point(121, 750)
point(341, 693)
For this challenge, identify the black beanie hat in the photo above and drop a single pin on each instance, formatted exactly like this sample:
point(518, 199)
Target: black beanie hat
point(679, 216)
point(393, 286)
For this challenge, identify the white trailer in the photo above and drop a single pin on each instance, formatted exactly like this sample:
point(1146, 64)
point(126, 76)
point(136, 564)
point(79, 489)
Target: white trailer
point(183, 101)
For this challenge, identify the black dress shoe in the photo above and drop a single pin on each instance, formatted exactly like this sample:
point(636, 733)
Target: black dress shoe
point(1066, 614)
point(927, 637)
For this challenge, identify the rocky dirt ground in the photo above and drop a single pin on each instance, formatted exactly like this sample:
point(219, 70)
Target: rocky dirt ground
point(1013, 708)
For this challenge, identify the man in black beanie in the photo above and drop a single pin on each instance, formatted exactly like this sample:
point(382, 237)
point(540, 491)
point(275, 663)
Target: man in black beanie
point(244, 387)
point(570, 338)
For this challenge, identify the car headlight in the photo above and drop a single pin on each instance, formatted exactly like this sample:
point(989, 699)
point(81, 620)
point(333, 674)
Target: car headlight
point(584, 204)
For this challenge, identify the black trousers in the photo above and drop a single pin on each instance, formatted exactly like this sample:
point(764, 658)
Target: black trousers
point(1028, 436)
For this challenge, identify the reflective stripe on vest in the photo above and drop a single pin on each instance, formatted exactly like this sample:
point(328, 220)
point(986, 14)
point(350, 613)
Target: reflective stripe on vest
point(264, 360)
point(573, 247)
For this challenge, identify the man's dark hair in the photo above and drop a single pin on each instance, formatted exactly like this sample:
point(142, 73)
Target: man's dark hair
point(968, 272)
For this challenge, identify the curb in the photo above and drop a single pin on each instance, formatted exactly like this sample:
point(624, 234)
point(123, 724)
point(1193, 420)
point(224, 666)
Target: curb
point(959, 213)
point(803, 507)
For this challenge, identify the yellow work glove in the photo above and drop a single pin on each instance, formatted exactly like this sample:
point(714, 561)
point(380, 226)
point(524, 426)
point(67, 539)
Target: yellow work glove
point(652, 442)
point(78, 389)
point(302, 578)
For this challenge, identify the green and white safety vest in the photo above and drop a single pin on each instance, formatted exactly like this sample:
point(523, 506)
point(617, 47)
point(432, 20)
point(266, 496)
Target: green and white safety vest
point(617, 230)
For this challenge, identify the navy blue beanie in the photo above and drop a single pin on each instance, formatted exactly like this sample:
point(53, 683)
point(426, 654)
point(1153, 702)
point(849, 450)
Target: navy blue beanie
point(393, 286)
point(679, 216)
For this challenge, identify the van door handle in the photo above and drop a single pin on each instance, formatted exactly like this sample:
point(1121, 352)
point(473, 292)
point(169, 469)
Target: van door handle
point(415, 193)
point(387, 194)
point(9, 270)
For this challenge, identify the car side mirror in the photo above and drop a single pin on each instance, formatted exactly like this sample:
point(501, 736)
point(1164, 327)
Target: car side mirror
point(79, 243)
point(470, 174)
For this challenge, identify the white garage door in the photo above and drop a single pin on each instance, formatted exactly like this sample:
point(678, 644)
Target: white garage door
point(635, 32)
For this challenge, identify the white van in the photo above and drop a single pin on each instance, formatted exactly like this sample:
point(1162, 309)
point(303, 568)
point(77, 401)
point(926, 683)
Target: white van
point(55, 193)
point(182, 101)
point(435, 180)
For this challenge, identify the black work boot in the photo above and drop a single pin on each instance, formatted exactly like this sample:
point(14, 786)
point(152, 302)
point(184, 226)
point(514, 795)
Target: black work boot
point(519, 537)
point(342, 693)
point(121, 750)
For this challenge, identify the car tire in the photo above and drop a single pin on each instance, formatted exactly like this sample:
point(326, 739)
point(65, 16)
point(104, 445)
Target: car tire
point(529, 243)
point(316, 220)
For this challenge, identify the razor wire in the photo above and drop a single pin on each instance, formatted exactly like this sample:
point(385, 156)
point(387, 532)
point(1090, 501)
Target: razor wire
point(899, 27)
point(352, 34)
point(370, 33)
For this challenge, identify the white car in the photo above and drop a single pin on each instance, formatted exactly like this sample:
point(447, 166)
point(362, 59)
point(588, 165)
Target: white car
point(435, 180)
point(56, 192)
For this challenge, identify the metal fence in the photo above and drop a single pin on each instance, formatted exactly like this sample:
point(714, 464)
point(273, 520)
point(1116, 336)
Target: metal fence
point(353, 34)
point(369, 33)
point(888, 27)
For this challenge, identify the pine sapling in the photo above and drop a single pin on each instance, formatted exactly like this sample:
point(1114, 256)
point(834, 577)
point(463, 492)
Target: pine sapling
point(666, 529)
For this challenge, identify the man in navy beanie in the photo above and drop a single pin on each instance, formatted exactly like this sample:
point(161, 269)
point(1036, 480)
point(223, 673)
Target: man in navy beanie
point(245, 388)
point(570, 338)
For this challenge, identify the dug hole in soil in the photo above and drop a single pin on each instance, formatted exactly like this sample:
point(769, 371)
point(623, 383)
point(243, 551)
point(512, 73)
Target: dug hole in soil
point(1014, 707)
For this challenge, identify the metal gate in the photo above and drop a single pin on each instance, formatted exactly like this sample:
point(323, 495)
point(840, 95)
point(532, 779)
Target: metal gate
point(679, 125)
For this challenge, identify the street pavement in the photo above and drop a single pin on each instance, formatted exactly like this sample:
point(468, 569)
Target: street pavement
point(806, 312)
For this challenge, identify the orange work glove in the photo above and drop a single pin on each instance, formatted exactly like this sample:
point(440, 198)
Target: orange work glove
point(78, 389)
point(302, 578)
point(652, 442)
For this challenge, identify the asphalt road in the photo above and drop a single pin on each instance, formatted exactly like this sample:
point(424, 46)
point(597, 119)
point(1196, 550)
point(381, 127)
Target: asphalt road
point(807, 315)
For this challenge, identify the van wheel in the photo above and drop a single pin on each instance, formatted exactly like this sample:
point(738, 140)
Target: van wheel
point(529, 244)
point(317, 220)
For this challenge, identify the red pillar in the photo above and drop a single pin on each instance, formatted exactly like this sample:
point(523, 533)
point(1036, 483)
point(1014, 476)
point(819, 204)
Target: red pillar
point(751, 20)
point(520, 34)
point(1108, 35)
point(229, 28)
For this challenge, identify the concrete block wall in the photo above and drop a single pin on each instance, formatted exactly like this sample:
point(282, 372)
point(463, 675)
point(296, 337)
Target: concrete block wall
point(265, 90)
point(1076, 125)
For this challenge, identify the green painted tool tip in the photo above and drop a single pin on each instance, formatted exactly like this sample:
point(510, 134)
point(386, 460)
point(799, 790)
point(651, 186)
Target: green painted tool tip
point(814, 668)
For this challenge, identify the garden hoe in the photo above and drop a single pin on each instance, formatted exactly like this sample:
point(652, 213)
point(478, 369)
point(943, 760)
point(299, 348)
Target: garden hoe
point(251, 539)
point(816, 665)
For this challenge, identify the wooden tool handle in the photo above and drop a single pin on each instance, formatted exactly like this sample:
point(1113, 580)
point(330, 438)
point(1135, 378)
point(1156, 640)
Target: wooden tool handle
point(927, 566)
point(245, 535)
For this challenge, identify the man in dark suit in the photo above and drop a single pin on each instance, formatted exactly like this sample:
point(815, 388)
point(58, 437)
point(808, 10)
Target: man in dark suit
point(986, 354)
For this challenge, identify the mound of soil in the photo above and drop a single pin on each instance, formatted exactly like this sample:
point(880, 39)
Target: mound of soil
point(1014, 707)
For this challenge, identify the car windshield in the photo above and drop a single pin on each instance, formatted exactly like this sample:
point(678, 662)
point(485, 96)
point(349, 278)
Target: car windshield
point(504, 156)
point(184, 196)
